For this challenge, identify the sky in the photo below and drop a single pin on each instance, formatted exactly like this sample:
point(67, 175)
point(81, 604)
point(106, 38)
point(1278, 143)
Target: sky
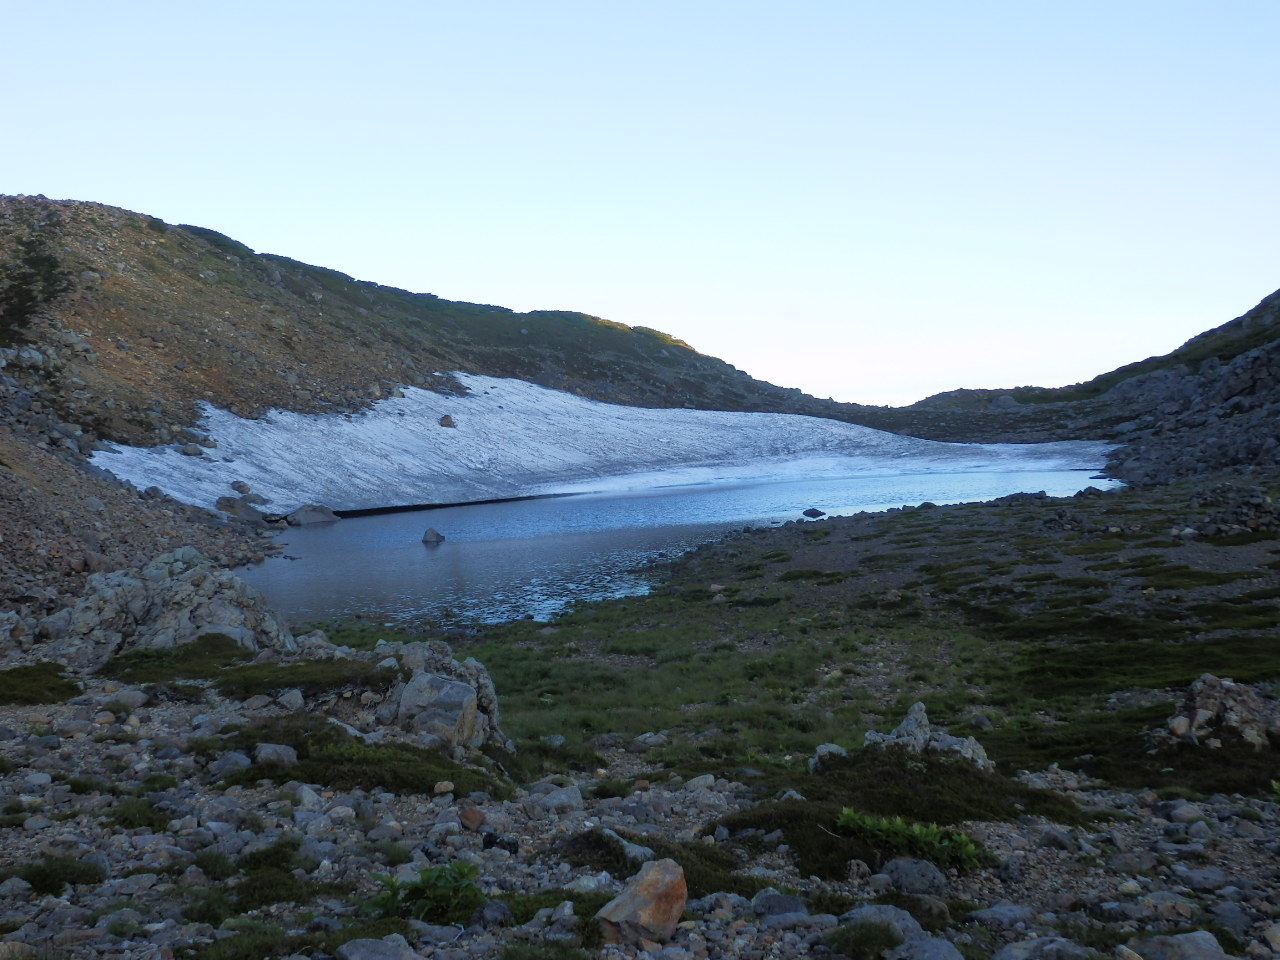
point(869, 201)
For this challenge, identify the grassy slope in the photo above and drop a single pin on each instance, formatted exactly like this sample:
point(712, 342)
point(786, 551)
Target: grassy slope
point(1072, 641)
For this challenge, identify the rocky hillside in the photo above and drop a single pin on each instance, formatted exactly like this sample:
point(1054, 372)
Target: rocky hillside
point(130, 321)
point(1210, 404)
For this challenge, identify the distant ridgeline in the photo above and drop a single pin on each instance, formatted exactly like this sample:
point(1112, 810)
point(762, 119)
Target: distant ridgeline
point(135, 320)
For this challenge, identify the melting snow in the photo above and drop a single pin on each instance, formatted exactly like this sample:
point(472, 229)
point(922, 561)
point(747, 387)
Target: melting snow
point(512, 438)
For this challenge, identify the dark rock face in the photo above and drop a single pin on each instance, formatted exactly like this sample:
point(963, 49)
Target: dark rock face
point(1222, 415)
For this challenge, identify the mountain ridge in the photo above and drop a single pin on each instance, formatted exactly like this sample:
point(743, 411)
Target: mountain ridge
point(127, 324)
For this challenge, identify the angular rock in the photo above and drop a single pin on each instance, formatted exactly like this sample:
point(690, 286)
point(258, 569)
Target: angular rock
point(1216, 705)
point(648, 908)
point(310, 513)
point(916, 735)
point(170, 601)
point(909, 875)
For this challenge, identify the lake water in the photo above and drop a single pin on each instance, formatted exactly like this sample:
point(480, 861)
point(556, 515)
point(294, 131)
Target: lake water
point(503, 561)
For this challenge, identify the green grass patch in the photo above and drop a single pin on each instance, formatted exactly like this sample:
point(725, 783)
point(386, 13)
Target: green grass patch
point(43, 682)
point(200, 659)
point(1114, 746)
point(135, 813)
point(707, 869)
point(51, 875)
point(1073, 671)
point(329, 755)
point(313, 677)
point(1175, 576)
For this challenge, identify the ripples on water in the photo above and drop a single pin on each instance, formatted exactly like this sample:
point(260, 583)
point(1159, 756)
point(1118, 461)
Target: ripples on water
point(534, 558)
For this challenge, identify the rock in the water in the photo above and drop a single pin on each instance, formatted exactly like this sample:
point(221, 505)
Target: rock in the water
point(433, 536)
point(813, 513)
point(648, 908)
point(310, 513)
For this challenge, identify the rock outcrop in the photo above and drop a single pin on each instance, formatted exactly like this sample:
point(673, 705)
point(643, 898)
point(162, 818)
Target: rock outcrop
point(443, 700)
point(916, 735)
point(1215, 707)
point(648, 908)
point(172, 600)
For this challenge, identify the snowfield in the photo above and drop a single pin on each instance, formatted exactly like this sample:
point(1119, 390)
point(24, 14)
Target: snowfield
point(512, 438)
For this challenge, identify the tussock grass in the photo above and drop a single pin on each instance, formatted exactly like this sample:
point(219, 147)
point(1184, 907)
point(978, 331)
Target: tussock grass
point(201, 659)
point(330, 756)
point(36, 683)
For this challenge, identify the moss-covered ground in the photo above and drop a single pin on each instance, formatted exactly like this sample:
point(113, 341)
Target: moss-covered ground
point(1065, 629)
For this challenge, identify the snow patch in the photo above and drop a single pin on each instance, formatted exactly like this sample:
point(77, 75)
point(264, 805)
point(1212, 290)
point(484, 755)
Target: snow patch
point(511, 438)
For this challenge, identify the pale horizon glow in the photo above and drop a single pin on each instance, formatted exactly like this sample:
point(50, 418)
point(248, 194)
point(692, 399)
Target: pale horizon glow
point(871, 202)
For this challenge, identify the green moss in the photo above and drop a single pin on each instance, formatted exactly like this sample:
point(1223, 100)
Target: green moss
point(707, 869)
point(313, 677)
point(203, 658)
point(329, 755)
point(864, 940)
point(134, 813)
point(51, 875)
point(36, 683)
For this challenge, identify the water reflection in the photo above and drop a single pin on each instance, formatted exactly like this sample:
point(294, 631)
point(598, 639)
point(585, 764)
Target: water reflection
point(534, 557)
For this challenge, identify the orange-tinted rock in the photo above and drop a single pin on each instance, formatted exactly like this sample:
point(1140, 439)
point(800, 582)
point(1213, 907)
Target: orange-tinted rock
point(649, 907)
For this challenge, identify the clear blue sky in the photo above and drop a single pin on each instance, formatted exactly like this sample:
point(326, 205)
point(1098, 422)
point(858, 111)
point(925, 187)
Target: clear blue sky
point(868, 200)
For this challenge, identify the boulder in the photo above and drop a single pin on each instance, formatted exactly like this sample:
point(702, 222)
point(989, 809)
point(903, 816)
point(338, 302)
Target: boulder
point(310, 513)
point(439, 706)
point(910, 875)
point(432, 536)
point(648, 908)
point(1214, 706)
point(904, 924)
point(1199, 945)
point(444, 699)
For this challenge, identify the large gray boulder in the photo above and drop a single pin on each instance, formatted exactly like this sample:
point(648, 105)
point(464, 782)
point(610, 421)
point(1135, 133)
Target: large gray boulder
point(444, 700)
point(310, 513)
point(170, 601)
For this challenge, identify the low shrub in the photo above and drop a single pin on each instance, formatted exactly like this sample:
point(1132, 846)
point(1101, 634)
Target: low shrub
point(865, 940)
point(928, 841)
point(446, 893)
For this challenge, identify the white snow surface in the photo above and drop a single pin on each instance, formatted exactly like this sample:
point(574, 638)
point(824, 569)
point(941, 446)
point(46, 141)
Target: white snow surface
point(513, 439)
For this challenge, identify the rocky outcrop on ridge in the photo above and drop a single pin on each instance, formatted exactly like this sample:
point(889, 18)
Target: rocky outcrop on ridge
point(1222, 415)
